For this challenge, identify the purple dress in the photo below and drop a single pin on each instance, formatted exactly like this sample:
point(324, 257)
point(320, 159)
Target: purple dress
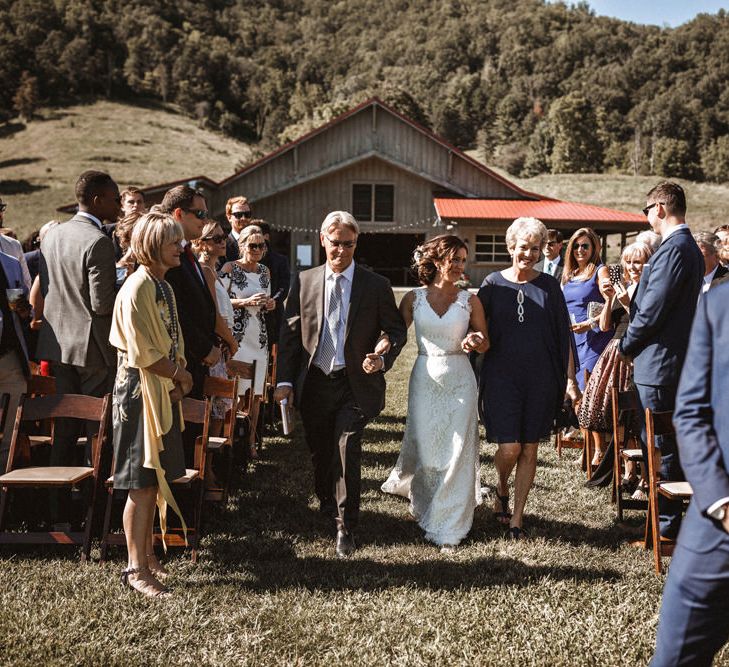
point(577, 294)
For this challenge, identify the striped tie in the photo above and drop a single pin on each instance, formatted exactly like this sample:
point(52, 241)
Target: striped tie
point(330, 335)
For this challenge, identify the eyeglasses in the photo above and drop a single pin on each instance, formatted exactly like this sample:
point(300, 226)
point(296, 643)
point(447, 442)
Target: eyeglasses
point(341, 244)
point(256, 246)
point(241, 214)
point(3, 207)
point(199, 213)
point(218, 238)
point(650, 206)
point(582, 246)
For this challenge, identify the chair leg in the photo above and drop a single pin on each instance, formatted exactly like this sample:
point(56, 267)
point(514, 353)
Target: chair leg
point(3, 505)
point(587, 439)
point(107, 524)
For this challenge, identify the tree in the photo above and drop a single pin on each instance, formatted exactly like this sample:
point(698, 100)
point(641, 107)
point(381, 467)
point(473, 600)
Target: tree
point(25, 100)
point(715, 160)
point(577, 147)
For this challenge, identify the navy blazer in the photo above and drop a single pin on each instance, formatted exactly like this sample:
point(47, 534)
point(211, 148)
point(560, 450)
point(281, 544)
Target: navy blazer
point(702, 420)
point(663, 309)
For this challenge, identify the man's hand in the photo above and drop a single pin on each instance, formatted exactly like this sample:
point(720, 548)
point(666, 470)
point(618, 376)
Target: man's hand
point(725, 520)
point(283, 392)
point(212, 357)
point(373, 363)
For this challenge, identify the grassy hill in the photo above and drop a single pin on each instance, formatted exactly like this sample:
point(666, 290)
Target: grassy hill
point(139, 145)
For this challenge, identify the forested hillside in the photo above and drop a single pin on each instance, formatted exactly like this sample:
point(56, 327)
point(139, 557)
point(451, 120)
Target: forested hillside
point(535, 87)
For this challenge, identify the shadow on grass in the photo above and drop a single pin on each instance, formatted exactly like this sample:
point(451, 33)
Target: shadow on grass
point(19, 187)
point(8, 129)
point(17, 161)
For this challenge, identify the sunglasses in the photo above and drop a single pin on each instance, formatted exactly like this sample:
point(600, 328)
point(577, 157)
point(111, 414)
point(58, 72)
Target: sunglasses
point(218, 238)
point(341, 244)
point(197, 212)
point(582, 246)
point(256, 246)
point(241, 214)
point(551, 243)
point(3, 207)
point(650, 206)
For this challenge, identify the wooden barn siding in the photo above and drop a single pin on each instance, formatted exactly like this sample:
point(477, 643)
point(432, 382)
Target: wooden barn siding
point(354, 137)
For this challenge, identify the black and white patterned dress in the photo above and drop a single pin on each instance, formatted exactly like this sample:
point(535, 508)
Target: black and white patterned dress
point(249, 324)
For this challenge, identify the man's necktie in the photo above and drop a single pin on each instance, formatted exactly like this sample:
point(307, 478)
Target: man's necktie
point(331, 332)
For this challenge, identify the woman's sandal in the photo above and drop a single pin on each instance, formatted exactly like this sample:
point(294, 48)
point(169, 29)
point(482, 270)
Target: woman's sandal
point(504, 516)
point(156, 567)
point(517, 533)
point(144, 587)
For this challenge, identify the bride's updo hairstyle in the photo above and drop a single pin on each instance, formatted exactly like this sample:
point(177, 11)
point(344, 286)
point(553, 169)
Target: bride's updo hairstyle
point(435, 250)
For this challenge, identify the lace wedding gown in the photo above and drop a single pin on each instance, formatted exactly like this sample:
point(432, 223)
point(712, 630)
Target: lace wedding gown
point(438, 466)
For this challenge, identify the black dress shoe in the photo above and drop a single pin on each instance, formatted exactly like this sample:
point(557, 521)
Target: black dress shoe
point(345, 544)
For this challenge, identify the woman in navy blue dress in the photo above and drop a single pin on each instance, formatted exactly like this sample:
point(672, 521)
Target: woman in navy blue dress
point(526, 371)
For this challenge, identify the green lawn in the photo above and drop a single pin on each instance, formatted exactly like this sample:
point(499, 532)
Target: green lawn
point(268, 590)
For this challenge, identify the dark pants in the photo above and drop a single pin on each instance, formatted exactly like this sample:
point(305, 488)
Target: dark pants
point(694, 620)
point(334, 425)
point(88, 381)
point(661, 399)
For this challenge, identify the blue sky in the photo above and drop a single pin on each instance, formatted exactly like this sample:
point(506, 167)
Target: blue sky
point(672, 12)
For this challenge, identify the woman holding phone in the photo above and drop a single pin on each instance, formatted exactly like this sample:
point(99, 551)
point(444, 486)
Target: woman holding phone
point(248, 283)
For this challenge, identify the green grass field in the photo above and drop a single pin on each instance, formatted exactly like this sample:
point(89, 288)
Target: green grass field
point(268, 590)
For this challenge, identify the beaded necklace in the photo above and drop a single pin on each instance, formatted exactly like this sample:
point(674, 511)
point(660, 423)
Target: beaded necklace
point(170, 321)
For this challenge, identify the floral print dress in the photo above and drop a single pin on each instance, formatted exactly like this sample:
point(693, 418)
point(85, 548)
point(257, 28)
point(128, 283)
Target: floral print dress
point(249, 324)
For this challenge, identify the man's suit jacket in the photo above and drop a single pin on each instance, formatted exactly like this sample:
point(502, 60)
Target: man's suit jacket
point(278, 267)
point(663, 309)
point(13, 247)
point(77, 278)
point(231, 248)
point(539, 266)
point(14, 275)
point(196, 311)
point(702, 420)
point(372, 310)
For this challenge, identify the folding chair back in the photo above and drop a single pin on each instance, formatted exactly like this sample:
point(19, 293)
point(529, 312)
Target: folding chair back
point(41, 385)
point(624, 406)
point(249, 405)
point(660, 424)
point(213, 388)
point(96, 410)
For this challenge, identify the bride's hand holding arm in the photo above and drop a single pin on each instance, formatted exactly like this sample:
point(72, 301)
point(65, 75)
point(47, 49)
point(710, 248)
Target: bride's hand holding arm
point(477, 339)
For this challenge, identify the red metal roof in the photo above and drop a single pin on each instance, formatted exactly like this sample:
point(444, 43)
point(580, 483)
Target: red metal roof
point(547, 210)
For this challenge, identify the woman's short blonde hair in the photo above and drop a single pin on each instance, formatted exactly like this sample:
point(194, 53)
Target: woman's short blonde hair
point(636, 250)
point(246, 233)
point(526, 228)
point(150, 233)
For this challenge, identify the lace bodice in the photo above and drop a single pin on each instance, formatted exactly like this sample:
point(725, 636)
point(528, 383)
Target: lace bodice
point(438, 336)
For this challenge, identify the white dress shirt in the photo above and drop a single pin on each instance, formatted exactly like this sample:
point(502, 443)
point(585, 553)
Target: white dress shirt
point(12, 247)
point(93, 218)
point(707, 280)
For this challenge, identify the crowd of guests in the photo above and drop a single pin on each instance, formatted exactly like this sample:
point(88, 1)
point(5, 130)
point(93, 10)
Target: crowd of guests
point(146, 304)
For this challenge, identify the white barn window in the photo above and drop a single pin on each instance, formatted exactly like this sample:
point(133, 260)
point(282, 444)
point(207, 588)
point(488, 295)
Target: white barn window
point(491, 248)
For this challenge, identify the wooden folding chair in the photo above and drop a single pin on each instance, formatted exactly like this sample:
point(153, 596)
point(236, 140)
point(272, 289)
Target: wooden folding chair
point(194, 411)
point(4, 404)
point(270, 411)
point(97, 410)
point(213, 388)
point(249, 404)
point(41, 385)
point(625, 406)
point(659, 424)
point(585, 443)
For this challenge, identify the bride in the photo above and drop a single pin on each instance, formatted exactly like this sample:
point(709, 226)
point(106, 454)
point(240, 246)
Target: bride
point(438, 466)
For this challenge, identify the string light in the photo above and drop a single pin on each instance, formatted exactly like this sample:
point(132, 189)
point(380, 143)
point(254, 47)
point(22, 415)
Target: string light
point(421, 225)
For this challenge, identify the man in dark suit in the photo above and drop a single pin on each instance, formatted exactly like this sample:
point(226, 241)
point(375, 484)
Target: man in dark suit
point(660, 321)
point(239, 214)
point(278, 268)
point(334, 316)
point(709, 245)
point(694, 620)
point(552, 262)
point(195, 305)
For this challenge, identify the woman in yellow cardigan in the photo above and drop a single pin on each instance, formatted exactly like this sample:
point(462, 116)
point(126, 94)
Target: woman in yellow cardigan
point(150, 382)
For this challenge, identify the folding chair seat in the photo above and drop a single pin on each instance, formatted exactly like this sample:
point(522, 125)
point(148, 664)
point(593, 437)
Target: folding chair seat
point(194, 411)
point(30, 410)
point(659, 424)
point(624, 406)
point(213, 388)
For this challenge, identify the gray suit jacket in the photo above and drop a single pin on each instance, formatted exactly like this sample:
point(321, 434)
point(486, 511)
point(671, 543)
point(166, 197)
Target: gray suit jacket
point(372, 310)
point(539, 266)
point(77, 275)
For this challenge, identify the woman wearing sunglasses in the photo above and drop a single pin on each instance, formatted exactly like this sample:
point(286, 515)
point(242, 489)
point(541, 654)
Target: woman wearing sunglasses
point(248, 283)
point(209, 248)
point(583, 280)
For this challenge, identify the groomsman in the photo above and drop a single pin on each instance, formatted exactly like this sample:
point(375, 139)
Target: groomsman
point(660, 321)
point(694, 620)
point(334, 316)
point(239, 214)
point(552, 262)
